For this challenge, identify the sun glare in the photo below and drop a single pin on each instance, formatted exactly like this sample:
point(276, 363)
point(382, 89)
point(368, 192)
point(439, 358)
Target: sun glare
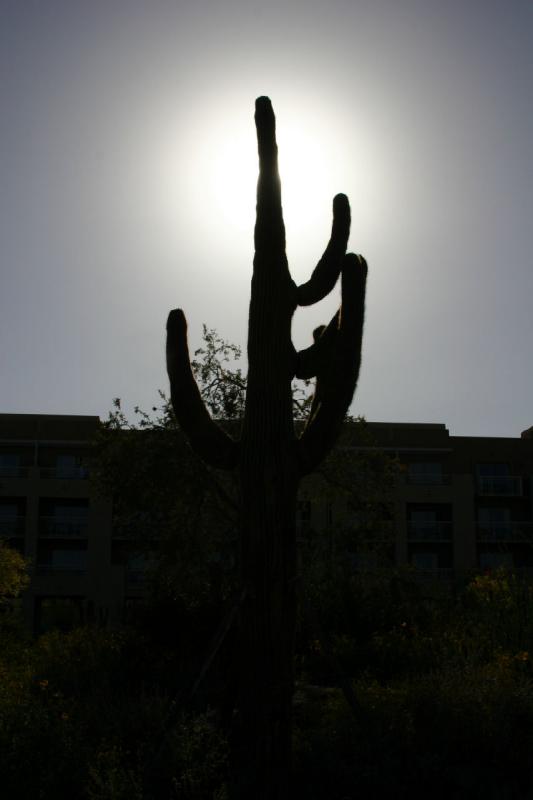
point(208, 183)
point(225, 170)
point(305, 178)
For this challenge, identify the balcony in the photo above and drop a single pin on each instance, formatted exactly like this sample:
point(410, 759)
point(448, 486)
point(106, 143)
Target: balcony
point(429, 531)
point(64, 527)
point(64, 473)
point(505, 532)
point(436, 575)
point(12, 526)
point(74, 568)
point(427, 479)
point(500, 485)
point(135, 577)
point(13, 471)
point(63, 558)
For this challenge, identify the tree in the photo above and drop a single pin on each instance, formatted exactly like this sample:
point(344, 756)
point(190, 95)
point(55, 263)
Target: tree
point(13, 573)
point(167, 502)
point(191, 534)
point(269, 459)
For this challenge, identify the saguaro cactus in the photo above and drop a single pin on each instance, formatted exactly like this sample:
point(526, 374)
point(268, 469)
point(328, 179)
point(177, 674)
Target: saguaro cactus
point(269, 457)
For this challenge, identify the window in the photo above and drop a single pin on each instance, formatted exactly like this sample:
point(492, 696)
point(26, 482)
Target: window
point(494, 478)
point(68, 560)
point(70, 511)
point(425, 560)
point(8, 510)
point(75, 560)
point(69, 466)
point(430, 523)
point(494, 514)
point(494, 522)
point(493, 469)
point(131, 608)
point(137, 566)
point(496, 560)
point(9, 464)
point(67, 557)
point(422, 524)
point(10, 521)
point(64, 518)
point(425, 472)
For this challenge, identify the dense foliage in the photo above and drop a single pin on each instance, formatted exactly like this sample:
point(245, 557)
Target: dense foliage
point(443, 689)
point(13, 574)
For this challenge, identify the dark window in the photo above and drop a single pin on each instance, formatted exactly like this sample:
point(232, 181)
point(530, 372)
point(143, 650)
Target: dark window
point(12, 520)
point(64, 518)
point(494, 478)
point(493, 468)
point(429, 522)
point(425, 472)
point(54, 556)
point(9, 464)
point(496, 560)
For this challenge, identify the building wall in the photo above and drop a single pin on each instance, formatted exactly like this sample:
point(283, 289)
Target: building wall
point(51, 512)
point(459, 504)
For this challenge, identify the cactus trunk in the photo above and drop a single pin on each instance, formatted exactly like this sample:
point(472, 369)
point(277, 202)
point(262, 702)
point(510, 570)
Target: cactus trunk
point(271, 460)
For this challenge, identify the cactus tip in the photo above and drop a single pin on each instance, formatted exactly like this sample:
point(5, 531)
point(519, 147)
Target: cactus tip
point(176, 319)
point(263, 104)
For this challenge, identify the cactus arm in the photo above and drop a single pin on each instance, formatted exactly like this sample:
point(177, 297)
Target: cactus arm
point(308, 361)
point(338, 372)
point(326, 272)
point(205, 437)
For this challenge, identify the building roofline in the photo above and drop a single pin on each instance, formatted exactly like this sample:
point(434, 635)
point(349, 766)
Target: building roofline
point(50, 417)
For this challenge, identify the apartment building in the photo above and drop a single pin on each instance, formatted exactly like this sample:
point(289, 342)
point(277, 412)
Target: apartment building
point(51, 513)
point(459, 504)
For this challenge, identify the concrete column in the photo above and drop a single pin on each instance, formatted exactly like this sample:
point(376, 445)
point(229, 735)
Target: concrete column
point(99, 584)
point(464, 522)
point(400, 522)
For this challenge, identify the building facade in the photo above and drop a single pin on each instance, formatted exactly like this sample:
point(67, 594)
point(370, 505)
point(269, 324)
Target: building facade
point(52, 514)
point(459, 504)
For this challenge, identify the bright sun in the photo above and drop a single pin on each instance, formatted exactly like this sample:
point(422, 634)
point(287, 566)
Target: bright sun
point(208, 183)
point(306, 177)
point(219, 176)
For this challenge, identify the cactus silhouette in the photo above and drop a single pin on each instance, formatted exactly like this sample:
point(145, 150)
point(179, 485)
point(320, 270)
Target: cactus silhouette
point(270, 459)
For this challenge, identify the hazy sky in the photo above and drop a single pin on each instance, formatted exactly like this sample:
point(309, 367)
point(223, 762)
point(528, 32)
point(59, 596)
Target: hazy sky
point(128, 171)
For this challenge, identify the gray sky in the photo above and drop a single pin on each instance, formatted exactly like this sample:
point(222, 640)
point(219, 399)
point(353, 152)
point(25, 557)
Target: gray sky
point(127, 169)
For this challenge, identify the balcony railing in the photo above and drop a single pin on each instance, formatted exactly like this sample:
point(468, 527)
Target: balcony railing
point(64, 473)
point(500, 485)
point(64, 528)
point(8, 471)
point(443, 574)
point(505, 531)
point(422, 531)
point(427, 479)
point(12, 526)
point(73, 568)
point(135, 577)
